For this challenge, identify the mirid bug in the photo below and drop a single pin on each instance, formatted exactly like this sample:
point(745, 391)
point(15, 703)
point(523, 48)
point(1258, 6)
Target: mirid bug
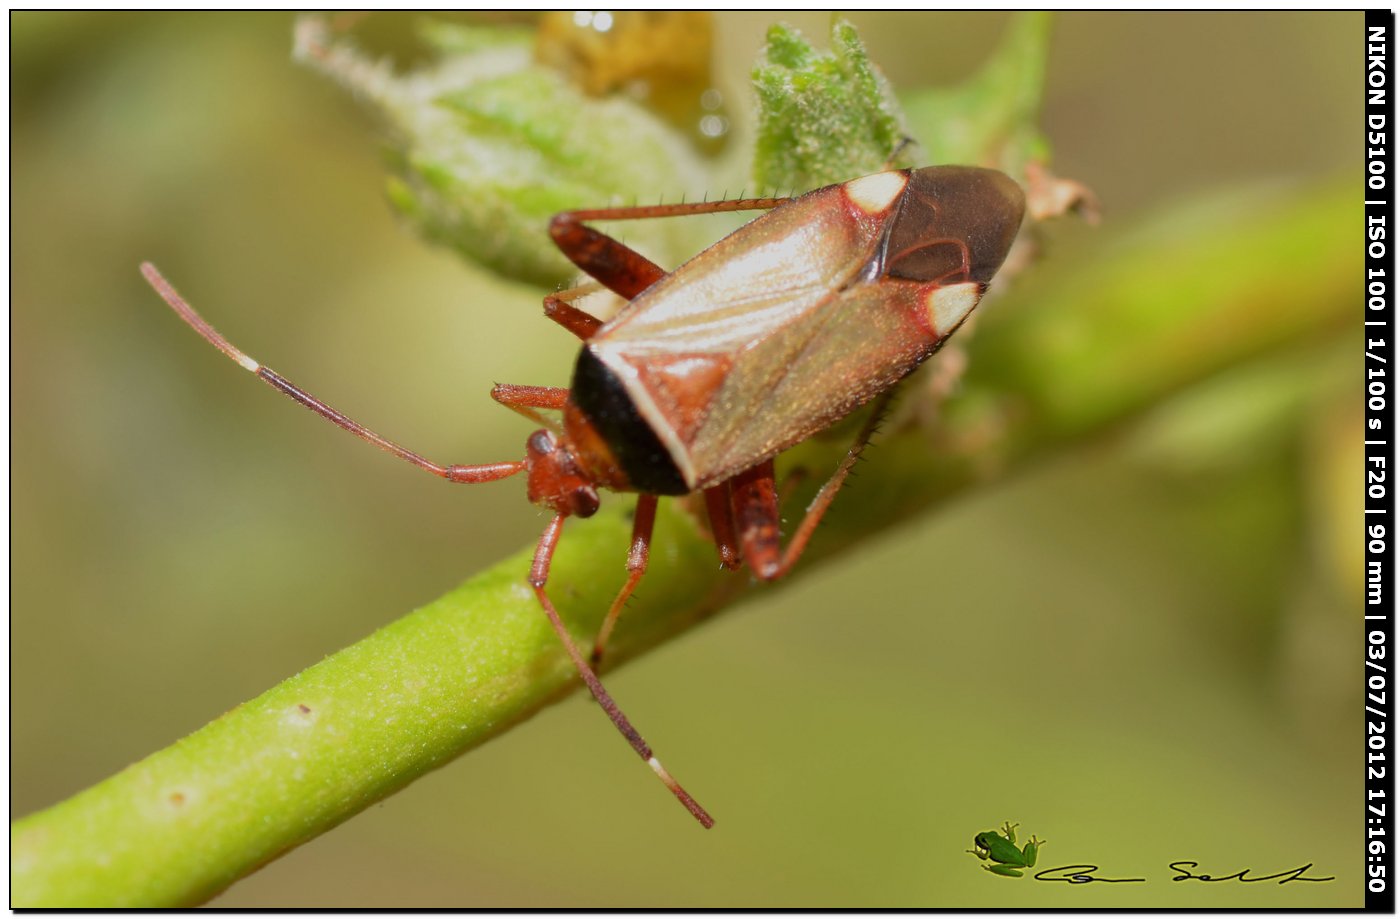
point(775, 332)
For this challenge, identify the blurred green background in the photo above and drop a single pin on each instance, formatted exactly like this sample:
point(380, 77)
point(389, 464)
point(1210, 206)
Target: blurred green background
point(1143, 651)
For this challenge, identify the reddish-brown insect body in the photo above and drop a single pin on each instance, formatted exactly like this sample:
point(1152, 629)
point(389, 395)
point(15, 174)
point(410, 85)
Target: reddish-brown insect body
point(774, 333)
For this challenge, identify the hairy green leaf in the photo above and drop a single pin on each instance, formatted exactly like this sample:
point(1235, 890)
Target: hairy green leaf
point(487, 145)
point(824, 116)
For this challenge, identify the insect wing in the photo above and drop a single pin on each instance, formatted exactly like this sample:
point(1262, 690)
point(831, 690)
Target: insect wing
point(750, 284)
point(803, 315)
point(856, 345)
point(675, 345)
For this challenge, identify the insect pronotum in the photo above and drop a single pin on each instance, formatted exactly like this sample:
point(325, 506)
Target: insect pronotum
point(775, 332)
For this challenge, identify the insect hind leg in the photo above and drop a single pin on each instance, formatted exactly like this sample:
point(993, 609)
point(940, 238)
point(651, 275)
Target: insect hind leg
point(755, 496)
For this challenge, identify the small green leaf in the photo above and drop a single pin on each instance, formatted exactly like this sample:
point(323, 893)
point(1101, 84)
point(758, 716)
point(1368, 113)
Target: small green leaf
point(824, 116)
point(487, 146)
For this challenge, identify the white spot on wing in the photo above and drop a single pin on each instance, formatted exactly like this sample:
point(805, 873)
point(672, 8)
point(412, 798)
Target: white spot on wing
point(948, 306)
point(874, 193)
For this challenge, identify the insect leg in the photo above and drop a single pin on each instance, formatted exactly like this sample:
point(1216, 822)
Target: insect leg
point(619, 267)
point(488, 472)
point(525, 399)
point(539, 574)
point(559, 307)
point(637, 557)
point(756, 506)
point(721, 509)
point(682, 209)
point(755, 499)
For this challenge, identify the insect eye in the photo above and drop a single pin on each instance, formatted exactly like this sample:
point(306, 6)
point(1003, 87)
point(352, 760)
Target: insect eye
point(585, 501)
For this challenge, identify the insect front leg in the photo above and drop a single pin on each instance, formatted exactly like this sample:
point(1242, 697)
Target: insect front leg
point(539, 576)
point(755, 501)
point(560, 308)
point(525, 399)
point(637, 557)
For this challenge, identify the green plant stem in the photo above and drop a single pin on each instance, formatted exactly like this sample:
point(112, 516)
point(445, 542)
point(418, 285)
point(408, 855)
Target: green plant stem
point(1072, 352)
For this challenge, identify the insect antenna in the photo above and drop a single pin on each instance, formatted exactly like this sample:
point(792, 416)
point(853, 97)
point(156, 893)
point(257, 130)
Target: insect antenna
point(453, 473)
point(905, 143)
